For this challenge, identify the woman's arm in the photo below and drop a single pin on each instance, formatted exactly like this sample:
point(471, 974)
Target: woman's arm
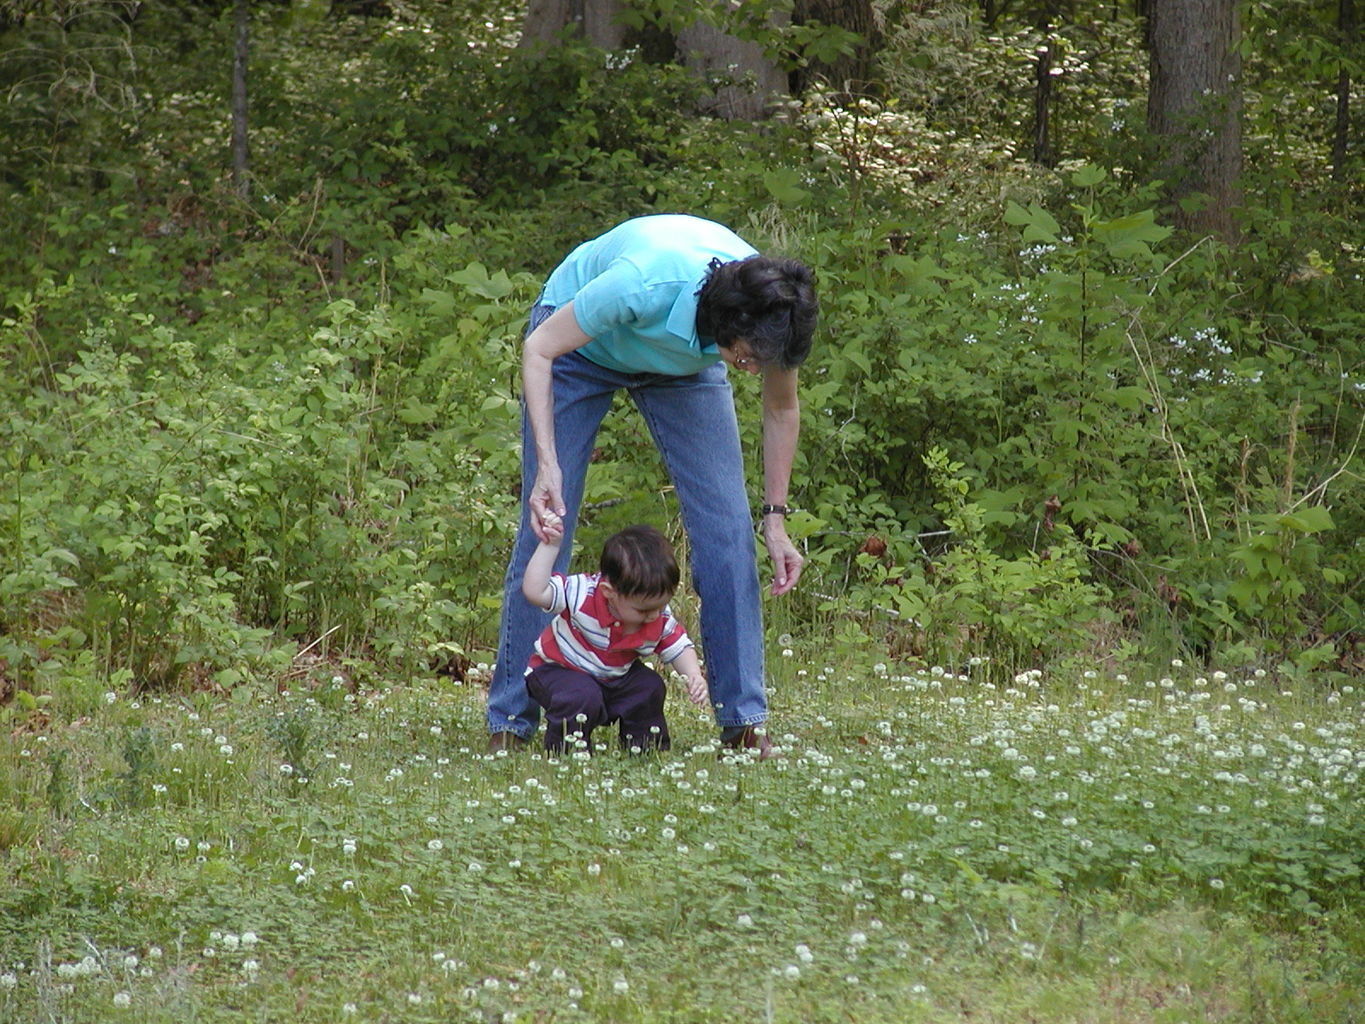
point(781, 429)
point(558, 335)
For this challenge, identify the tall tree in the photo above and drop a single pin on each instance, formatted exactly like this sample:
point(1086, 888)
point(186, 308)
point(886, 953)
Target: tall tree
point(851, 73)
point(749, 77)
point(704, 33)
point(596, 21)
point(241, 149)
point(1346, 27)
point(1044, 73)
point(1194, 106)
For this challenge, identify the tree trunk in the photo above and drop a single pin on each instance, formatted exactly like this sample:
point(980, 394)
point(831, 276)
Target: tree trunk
point(1346, 26)
point(851, 75)
point(1194, 107)
point(241, 150)
point(1042, 100)
point(595, 21)
point(710, 52)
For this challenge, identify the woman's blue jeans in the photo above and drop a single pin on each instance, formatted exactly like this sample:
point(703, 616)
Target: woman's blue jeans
point(692, 421)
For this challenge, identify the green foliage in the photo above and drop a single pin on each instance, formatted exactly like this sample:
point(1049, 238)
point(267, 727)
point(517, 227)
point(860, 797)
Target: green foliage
point(246, 432)
point(178, 508)
point(973, 604)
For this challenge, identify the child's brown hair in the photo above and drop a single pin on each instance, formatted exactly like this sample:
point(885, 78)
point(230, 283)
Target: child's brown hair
point(639, 562)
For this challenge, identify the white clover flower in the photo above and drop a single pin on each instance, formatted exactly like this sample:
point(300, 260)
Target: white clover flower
point(348, 1008)
point(621, 986)
point(414, 999)
point(181, 843)
point(249, 939)
point(791, 972)
point(9, 980)
point(744, 921)
point(435, 845)
point(594, 869)
point(122, 1000)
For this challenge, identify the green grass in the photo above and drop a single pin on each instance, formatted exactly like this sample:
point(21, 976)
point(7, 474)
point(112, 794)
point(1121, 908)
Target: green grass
point(928, 848)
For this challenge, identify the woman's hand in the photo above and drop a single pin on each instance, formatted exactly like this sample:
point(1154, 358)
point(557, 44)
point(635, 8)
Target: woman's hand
point(787, 561)
point(557, 335)
point(546, 505)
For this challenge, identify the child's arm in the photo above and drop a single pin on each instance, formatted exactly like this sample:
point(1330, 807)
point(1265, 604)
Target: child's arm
point(535, 584)
point(687, 664)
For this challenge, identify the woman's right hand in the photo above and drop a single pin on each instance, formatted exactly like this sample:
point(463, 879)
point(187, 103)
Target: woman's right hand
point(546, 505)
point(556, 336)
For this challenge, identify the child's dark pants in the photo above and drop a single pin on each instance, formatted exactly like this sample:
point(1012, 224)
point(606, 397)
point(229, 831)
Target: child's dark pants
point(636, 700)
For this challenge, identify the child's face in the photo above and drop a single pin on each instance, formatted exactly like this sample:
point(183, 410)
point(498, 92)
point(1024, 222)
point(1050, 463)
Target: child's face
point(634, 611)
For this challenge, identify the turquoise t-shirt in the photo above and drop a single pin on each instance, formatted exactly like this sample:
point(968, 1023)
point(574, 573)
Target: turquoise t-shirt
point(634, 292)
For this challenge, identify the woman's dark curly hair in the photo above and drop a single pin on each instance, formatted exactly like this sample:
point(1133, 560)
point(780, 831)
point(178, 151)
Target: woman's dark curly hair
point(768, 302)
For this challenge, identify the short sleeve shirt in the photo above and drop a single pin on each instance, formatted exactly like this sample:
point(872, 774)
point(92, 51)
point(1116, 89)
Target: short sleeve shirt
point(584, 635)
point(634, 292)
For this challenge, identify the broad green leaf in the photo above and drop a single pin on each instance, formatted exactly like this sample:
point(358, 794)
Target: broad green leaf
point(475, 278)
point(1087, 176)
point(1038, 224)
point(1313, 519)
point(441, 303)
point(783, 184)
point(1130, 236)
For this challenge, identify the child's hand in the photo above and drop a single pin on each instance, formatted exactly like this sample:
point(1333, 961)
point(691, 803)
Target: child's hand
point(552, 526)
point(696, 689)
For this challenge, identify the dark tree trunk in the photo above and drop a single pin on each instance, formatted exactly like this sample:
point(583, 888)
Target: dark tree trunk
point(595, 21)
point(701, 46)
point(1346, 25)
point(1042, 93)
point(1194, 107)
point(241, 150)
point(710, 52)
point(847, 76)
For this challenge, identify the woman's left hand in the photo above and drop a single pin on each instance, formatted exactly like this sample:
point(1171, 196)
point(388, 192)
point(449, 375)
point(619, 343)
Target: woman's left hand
point(787, 561)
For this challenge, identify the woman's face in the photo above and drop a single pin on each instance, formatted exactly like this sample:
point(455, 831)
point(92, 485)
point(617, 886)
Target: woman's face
point(741, 357)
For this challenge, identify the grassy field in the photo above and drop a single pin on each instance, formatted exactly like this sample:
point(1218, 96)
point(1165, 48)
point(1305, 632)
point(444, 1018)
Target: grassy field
point(929, 847)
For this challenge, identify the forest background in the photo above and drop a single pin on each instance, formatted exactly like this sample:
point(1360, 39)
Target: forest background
point(1081, 390)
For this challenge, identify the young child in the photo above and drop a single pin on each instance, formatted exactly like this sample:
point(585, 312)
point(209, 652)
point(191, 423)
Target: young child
point(587, 660)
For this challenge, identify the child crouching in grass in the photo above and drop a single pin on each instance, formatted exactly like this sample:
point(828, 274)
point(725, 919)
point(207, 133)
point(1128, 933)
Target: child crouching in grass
point(586, 670)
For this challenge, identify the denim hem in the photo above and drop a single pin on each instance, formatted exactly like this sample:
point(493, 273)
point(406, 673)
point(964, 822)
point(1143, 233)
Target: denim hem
point(743, 723)
point(492, 731)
